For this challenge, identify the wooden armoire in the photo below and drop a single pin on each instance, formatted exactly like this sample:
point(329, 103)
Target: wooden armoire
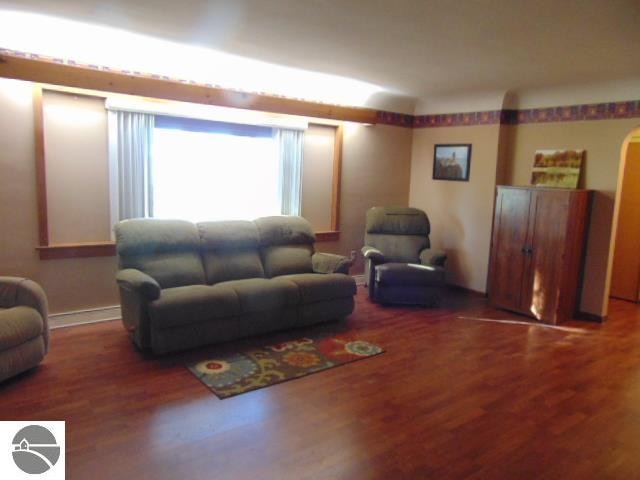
point(537, 251)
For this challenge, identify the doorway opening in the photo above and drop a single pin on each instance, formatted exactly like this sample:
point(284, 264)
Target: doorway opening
point(625, 270)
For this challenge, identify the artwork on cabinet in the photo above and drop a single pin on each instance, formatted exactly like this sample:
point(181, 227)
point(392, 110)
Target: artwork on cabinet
point(452, 162)
point(557, 168)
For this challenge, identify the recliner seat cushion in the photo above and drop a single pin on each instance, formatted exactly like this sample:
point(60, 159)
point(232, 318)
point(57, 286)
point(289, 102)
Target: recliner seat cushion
point(19, 325)
point(316, 287)
point(261, 294)
point(399, 274)
point(193, 304)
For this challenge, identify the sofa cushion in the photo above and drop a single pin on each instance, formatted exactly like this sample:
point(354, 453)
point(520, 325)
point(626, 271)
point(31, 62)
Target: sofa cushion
point(409, 274)
point(140, 236)
point(284, 230)
point(228, 235)
point(230, 250)
point(18, 325)
point(316, 287)
point(287, 259)
point(167, 250)
point(261, 294)
point(193, 304)
point(397, 221)
point(169, 269)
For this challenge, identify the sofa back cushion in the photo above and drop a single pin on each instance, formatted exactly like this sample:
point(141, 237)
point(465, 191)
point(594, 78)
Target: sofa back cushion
point(230, 250)
point(286, 245)
point(167, 250)
point(400, 233)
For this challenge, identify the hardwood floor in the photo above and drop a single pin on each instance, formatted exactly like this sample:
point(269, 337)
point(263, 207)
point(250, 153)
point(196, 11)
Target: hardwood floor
point(452, 397)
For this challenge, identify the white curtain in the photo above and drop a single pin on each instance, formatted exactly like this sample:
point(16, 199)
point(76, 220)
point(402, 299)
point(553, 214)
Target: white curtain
point(130, 165)
point(290, 147)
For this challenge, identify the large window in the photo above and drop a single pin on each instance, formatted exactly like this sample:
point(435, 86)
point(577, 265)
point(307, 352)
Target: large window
point(210, 171)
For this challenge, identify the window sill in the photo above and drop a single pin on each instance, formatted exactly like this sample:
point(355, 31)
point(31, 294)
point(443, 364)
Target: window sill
point(77, 250)
point(108, 249)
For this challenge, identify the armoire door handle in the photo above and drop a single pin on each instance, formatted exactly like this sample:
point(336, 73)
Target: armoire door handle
point(527, 250)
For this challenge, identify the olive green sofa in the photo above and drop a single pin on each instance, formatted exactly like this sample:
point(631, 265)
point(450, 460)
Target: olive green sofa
point(24, 330)
point(184, 285)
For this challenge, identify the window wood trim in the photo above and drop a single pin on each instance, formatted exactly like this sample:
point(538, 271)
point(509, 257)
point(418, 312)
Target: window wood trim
point(48, 251)
point(47, 71)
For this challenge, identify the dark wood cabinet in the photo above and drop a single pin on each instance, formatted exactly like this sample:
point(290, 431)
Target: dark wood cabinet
point(537, 251)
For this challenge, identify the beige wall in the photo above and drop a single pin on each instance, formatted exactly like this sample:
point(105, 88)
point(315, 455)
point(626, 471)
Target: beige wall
point(376, 163)
point(317, 176)
point(75, 132)
point(602, 141)
point(460, 212)
point(70, 284)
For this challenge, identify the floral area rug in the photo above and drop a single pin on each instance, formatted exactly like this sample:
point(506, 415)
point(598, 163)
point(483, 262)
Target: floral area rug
point(238, 373)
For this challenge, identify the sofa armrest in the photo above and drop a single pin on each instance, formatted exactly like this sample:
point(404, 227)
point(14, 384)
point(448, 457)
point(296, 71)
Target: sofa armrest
point(433, 257)
point(373, 254)
point(330, 263)
point(139, 282)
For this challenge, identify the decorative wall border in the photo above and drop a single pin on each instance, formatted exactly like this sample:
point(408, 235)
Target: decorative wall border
point(458, 119)
point(567, 113)
point(214, 94)
point(575, 113)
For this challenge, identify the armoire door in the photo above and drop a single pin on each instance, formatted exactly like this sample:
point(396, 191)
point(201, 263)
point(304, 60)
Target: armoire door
point(544, 253)
point(509, 237)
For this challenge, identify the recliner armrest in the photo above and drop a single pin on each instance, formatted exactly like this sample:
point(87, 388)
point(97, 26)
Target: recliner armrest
point(430, 256)
point(330, 263)
point(373, 254)
point(138, 281)
point(22, 292)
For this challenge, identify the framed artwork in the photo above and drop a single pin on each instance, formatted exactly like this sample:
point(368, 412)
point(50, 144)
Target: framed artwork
point(557, 168)
point(452, 162)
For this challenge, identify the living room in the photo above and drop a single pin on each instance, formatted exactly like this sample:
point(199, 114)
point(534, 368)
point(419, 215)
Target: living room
point(386, 85)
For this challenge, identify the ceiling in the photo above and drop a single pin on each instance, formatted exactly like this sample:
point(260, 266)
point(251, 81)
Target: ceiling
point(410, 48)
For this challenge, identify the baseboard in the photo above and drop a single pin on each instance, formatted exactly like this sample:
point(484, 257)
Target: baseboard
point(359, 279)
point(81, 317)
point(466, 290)
point(591, 317)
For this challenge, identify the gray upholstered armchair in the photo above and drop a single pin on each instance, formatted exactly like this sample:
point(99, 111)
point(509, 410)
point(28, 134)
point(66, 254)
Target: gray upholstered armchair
point(400, 266)
point(24, 331)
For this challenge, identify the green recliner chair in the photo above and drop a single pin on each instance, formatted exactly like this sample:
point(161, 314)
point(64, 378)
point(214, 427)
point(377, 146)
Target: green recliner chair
point(24, 329)
point(400, 266)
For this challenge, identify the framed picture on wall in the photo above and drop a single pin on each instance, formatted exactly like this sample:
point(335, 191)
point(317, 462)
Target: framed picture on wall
point(557, 168)
point(452, 162)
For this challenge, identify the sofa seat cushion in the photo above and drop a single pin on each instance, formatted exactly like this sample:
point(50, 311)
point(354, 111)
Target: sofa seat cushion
point(262, 294)
point(316, 287)
point(409, 274)
point(181, 306)
point(19, 325)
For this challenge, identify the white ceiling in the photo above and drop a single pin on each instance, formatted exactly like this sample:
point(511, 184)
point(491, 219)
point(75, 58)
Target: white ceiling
point(412, 48)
